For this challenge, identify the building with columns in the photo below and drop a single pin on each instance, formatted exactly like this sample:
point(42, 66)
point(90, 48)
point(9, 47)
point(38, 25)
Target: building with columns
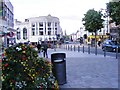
point(42, 28)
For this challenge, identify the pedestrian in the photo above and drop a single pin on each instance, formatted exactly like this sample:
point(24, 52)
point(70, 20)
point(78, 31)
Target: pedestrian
point(39, 47)
point(45, 47)
point(99, 43)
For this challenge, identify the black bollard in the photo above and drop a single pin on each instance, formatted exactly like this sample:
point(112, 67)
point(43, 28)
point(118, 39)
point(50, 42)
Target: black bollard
point(104, 51)
point(83, 49)
point(68, 47)
point(95, 49)
point(78, 48)
point(74, 47)
point(71, 47)
point(88, 49)
point(116, 52)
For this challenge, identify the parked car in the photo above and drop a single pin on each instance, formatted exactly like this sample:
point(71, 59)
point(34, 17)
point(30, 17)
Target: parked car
point(66, 42)
point(110, 45)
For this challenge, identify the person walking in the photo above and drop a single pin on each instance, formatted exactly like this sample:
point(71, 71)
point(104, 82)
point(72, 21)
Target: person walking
point(99, 43)
point(39, 47)
point(45, 47)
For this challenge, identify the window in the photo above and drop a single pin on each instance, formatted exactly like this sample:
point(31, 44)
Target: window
point(33, 25)
point(49, 32)
point(18, 35)
point(49, 24)
point(17, 28)
point(40, 32)
point(24, 33)
point(55, 28)
point(40, 28)
point(49, 28)
point(33, 31)
point(55, 24)
point(40, 24)
point(55, 32)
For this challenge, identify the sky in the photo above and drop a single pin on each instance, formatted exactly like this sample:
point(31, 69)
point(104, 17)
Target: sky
point(69, 12)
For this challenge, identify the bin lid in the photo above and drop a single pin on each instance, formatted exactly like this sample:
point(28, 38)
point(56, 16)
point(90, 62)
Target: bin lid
point(58, 60)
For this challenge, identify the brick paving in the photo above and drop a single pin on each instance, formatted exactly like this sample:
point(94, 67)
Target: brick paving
point(85, 70)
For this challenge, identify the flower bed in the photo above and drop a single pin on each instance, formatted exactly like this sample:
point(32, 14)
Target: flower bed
point(23, 69)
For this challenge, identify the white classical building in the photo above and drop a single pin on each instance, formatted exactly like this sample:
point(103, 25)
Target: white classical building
point(42, 28)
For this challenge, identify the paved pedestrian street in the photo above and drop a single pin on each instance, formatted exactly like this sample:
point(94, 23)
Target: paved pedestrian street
point(85, 70)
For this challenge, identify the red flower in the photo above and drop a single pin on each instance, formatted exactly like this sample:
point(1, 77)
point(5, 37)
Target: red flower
point(2, 54)
point(24, 57)
point(15, 75)
point(13, 81)
point(23, 48)
point(0, 60)
point(6, 65)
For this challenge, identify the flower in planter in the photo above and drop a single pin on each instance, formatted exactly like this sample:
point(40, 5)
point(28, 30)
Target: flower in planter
point(23, 69)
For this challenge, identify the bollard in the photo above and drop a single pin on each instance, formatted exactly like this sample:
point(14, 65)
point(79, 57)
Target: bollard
point(78, 48)
point(83, 49)
point(71, 47)
point(104, 51)
point(116, 52)
point(74, 47)
point(95, 49)
point(68, 47)
point(88, 49)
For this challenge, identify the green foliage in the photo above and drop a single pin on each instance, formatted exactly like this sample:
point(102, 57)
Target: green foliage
point(92, 20)
point(114, 11)
point(23, 69)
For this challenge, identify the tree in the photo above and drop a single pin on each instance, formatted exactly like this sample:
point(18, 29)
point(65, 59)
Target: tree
point(93, 21)
point(114, 11)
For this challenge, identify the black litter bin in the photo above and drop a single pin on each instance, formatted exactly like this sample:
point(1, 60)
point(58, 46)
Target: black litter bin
point(59, 67)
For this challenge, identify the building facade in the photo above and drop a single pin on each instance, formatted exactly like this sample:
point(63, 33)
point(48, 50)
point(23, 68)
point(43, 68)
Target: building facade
point(6, 23)
point(114, 31)
point(35, 29)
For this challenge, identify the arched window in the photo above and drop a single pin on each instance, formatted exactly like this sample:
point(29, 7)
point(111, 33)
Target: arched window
point(24, 33)
point(18, 34)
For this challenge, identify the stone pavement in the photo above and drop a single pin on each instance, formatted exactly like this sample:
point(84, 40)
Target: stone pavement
point(85, 70)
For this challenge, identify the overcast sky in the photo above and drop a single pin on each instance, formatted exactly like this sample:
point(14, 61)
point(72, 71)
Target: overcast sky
point(70, 12)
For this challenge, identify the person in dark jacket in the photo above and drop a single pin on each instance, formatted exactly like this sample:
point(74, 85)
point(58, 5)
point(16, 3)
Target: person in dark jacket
point(99, 43)
point(45, 47)
point(39, 47)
